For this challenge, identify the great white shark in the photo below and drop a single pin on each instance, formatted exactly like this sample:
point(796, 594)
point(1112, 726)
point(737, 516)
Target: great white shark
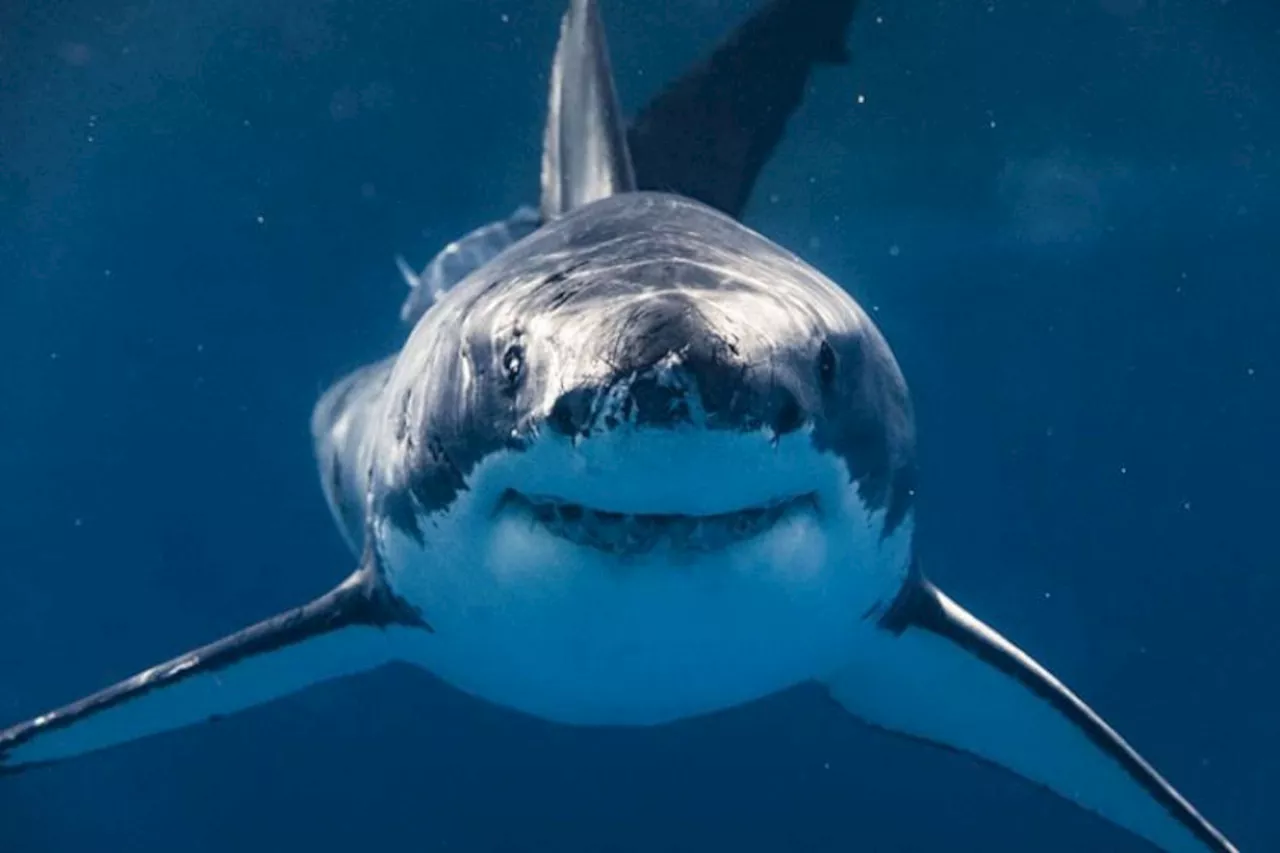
point(636, 463)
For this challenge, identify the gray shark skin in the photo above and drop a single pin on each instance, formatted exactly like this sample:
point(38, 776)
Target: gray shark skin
point(643, 465)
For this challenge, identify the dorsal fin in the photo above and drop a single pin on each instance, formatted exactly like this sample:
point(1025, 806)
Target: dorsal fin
point(584, 155)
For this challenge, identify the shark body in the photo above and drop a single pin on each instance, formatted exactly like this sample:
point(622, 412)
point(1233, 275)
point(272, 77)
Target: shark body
point(636, 463)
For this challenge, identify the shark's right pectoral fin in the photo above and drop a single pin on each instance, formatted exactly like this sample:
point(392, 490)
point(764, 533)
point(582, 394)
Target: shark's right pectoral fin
point(349, 630)
point(935, 673)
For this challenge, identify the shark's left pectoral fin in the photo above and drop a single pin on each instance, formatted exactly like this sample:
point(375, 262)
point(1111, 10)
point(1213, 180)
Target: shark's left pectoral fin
point(341, 633)
point(935, 673)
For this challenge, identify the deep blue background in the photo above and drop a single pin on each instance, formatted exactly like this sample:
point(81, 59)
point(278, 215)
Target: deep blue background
point(1065, 217)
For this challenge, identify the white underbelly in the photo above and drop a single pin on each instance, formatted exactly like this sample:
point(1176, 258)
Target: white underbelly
point(566, 633)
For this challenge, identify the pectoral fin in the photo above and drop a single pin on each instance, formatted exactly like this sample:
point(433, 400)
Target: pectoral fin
point(709, 133)
point(341, 633)
point(935, 673)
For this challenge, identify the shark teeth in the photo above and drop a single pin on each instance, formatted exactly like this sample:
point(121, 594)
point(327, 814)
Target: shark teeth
point(640, 533)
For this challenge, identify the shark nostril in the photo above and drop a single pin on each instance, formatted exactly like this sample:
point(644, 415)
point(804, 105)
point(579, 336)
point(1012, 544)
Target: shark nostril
point(788, 416)
point(561, 418)
point(571, 413)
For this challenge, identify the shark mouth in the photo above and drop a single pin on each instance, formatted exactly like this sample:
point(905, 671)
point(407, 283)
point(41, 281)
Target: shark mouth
point(639, 533)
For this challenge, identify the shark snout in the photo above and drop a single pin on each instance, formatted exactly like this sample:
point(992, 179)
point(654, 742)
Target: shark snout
point(669, 368)
point(672, 398)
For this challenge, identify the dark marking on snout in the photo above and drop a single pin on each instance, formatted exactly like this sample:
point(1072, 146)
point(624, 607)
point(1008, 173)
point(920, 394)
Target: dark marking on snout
point(655, 402)
point(670, 361)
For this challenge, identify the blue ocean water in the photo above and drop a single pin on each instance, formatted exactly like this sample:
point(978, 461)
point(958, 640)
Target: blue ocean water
point(1062, 215)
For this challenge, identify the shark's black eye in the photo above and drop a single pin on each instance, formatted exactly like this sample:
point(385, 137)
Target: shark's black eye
point(826, 365)
point(513, 363)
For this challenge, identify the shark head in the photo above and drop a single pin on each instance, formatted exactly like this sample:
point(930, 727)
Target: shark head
point(648, 414)
point(647, 357)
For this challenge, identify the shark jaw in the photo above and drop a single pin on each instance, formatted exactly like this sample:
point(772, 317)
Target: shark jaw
point(634, 535)
point(641, 577)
